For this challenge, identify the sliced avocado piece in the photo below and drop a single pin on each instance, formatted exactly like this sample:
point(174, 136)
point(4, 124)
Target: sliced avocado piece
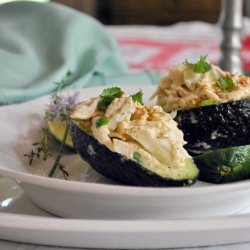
point(216, 126)
point(128, 171)
point(224, 165)
point(57, 129)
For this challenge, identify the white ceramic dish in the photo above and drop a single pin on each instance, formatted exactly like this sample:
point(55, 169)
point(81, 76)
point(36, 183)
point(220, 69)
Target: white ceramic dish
point(94, 197)
point(19, 214)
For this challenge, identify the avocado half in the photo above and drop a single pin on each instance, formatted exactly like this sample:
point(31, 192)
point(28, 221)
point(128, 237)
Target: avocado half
point(216, 126)
point(120, 168)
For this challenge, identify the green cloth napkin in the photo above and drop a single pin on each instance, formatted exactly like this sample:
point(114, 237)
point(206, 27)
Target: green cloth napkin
point(40, 42)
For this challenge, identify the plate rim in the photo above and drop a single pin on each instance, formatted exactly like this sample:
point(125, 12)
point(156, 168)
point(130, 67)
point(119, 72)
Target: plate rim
point(121, 190)
point(66, 229)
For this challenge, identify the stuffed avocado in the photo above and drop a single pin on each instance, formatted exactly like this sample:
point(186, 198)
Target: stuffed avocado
point(213, 106)
point(130, 142)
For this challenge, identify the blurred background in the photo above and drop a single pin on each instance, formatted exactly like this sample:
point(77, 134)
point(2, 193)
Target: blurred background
point(158, 47)
point(155, 12)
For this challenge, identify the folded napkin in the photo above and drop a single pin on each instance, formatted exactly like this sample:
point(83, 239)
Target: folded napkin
point(40, 42)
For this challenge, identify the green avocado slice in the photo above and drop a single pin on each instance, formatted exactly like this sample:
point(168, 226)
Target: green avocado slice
point(57, 129)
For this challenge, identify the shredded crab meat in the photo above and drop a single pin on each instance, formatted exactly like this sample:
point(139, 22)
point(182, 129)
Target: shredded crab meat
point(85, 111)
point(120, 110)
point(138, 127)
point(102, 133)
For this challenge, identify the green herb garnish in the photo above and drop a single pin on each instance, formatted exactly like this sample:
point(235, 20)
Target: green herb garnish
point(102, 121)
point(137, 97)
point(206, 103)
point(111, 93)
point(103, 104)
point(202, 66)
point(226, 84)
point(58, 108)
point(107, 96)
point(137, 157)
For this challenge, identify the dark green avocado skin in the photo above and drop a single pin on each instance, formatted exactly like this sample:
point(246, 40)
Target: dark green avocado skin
point(224, 165)
point(114, 165)
point(216, 126)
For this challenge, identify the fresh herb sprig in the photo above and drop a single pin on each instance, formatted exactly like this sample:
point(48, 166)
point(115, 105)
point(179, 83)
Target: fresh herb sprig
point(58, 157)
point(58, 108)
point(226, 84)
point(137, 97)
point(202, 66)
point(107, 96)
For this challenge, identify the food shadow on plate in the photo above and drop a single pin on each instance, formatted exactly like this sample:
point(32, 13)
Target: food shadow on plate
point(78, 169)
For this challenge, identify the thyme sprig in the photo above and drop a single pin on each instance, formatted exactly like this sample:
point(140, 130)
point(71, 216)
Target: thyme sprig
point(57, 163)
point(58, 108)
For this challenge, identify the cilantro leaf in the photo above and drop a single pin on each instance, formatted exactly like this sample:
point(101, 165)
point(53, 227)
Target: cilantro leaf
point(111, 93)
point(103, 104)
point(102, 121)
point(202, 65)
point(137, 97)
point(107, 96)
point(226, 84)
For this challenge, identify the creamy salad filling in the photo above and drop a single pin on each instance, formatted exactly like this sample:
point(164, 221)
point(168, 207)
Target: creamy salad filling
point(145, 134)
point(192, 85)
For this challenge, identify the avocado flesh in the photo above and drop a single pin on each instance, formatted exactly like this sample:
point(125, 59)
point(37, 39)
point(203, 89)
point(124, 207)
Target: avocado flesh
point(215, 126)
point(187, 171)
point(122, 169)
point(57, 129)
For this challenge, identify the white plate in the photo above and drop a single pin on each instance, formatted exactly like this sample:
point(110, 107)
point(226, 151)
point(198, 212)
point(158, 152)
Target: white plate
point(18, 214)
point(92, 196)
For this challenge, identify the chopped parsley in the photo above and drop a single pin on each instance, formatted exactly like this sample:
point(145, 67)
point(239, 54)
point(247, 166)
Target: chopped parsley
point(102, 121)
point(202, 66)
point(137, 97)
point(226, 84)
point(107, 96)
point(206, 103)
point(137, 157)
point(103, 104)
point(111, 93)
